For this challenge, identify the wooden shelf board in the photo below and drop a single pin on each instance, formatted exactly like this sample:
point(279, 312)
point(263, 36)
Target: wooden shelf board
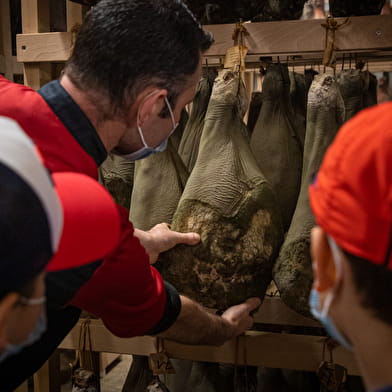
point(275, 350)
point(8, 64)
point(362, 33)
point(274, 311)
point(371, 36)
point(43, 47)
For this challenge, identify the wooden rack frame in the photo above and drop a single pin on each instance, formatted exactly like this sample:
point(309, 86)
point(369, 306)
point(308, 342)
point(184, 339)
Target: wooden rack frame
point(370, 37)
point(36, 23)
point(8, 64)
point(268, 349)
point(362, 34)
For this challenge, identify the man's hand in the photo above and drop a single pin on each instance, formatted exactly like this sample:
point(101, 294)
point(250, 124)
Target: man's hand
point(195, 325)
point(160, 239)
point(239, 316)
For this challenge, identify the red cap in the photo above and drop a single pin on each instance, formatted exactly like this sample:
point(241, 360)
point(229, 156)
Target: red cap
point(352, 195)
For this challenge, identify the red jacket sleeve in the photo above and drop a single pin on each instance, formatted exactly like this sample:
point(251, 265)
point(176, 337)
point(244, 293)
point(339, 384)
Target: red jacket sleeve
point(126, 292)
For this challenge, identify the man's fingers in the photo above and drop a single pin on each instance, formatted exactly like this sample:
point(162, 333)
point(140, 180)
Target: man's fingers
point(180, 238)
point(188, 238)
point(252, 303)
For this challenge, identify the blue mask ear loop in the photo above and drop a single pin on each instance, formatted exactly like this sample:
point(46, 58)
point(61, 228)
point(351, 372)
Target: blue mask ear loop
point(139, 129)
point(175, 125)
point(171, 116)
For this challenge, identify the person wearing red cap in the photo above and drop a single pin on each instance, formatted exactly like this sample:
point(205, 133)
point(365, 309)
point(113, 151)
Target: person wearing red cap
point(134, 66)
point(41, 219)
point(352, 244)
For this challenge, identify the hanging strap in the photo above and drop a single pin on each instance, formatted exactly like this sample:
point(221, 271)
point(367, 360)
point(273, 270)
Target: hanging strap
point(331, 26)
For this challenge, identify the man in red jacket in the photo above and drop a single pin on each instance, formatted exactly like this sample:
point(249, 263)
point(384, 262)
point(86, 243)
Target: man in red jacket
point(134, 67)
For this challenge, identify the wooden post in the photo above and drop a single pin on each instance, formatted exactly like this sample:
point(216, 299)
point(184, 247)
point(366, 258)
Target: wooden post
point(35, 19)
point(74, 14)
point(275, 350)
point(41, 379)
point(7, 61)
point(54, 372)
point(22, 388)
point(5, 40)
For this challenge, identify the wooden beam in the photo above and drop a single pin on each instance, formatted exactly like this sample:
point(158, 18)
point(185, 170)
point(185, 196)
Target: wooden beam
point(35, 16)
point(8, 63)
point(286, 38)
point(23, 387)
point(35, 19)
point(41, 379)
point(370, 35)
point(5, 35)
point(32, 48)
point(37, 74)
point(274, 311)
point(374, 63)
point(276, 350)
point(74, 14)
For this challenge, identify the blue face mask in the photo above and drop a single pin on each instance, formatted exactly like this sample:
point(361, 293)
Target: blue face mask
point(322, 313)
point(39, 328)
point(146, 150)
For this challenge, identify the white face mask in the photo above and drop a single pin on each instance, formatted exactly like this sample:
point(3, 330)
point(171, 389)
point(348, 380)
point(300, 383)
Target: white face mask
point(146, 150)
point(322, 313)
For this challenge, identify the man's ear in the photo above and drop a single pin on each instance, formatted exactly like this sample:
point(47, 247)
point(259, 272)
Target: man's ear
point(6, 305)
point(151, 104)
point(324, 270)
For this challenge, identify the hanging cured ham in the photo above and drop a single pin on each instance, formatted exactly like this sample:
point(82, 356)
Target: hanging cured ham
point(353, 85)
point(293, 271)
point(276, 142)
point(190, 141)
point(254, 109)
point(228, 201)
